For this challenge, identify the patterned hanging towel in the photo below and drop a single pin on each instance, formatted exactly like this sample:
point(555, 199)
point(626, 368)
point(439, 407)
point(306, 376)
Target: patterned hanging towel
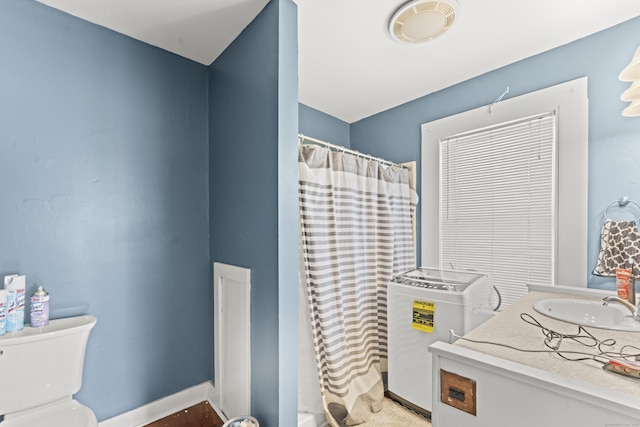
point(619, 241)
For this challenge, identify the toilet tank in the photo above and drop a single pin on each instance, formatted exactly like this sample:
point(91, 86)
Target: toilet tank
point(42, 365)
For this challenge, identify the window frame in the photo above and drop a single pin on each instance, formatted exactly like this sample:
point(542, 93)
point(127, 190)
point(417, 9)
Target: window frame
point(570, 101)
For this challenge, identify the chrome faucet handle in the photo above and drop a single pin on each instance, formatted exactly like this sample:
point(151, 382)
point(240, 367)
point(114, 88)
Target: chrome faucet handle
point(635, 310)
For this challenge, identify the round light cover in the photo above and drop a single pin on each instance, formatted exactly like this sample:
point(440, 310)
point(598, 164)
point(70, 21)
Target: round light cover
point(422, 20)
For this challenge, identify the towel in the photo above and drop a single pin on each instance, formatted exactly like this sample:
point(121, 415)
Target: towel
point(619, 241)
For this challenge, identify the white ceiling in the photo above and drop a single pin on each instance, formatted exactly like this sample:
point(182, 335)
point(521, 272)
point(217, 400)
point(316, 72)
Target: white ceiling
point(348, 65)
point(196, 29)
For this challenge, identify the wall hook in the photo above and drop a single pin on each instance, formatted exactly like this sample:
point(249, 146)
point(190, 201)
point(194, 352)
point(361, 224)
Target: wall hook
point(498, 100)
point(624, 201)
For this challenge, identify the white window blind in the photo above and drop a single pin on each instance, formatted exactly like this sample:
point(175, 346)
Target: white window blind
point(497, 201)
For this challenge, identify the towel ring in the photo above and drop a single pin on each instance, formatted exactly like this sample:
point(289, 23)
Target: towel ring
point(621, 202)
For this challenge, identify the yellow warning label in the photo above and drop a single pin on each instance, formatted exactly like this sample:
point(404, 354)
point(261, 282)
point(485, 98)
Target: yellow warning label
point(423, 314)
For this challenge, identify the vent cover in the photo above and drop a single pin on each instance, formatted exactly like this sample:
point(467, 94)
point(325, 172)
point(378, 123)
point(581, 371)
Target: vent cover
point(422, 20)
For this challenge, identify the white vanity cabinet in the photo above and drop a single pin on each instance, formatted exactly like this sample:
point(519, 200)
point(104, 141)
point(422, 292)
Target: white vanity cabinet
point(482, 385)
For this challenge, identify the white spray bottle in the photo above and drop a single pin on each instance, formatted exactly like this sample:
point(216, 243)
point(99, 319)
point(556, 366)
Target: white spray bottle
point(15, 286)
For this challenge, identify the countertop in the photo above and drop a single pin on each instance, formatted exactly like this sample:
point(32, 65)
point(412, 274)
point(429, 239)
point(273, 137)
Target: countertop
point(508, 328)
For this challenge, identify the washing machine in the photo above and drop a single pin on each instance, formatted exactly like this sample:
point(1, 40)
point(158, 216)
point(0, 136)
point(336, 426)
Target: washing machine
point(423, 305)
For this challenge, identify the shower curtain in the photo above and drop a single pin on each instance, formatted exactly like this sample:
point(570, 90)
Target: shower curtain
point(357, 233)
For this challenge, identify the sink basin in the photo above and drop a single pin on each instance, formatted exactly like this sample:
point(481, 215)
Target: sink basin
point(588, 313)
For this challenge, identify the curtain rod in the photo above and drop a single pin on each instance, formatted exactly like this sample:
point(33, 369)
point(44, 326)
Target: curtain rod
point(301, 138)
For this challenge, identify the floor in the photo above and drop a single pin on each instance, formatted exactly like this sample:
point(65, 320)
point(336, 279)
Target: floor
point(203, 415)
point(200, 415)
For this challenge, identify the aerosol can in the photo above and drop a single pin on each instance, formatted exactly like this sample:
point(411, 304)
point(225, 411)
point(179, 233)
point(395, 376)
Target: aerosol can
point(39, 308)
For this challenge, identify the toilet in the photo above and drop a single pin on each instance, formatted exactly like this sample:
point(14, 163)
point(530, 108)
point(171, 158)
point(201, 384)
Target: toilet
point(41, 369)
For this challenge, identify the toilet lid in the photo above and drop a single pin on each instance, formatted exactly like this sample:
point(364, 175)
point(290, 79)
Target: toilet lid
point(69, 413)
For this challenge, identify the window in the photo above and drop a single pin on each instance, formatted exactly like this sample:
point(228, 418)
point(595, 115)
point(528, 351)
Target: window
point(497, 190)
point(504, 191)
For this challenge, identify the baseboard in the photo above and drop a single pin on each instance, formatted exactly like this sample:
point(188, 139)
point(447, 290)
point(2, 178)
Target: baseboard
point(166, 406)
point(415, 408)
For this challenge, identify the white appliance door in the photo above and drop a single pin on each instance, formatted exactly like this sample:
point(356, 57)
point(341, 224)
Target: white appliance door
point(410, 336)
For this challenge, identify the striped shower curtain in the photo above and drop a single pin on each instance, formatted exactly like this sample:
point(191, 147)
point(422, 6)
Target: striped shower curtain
point(357, 232)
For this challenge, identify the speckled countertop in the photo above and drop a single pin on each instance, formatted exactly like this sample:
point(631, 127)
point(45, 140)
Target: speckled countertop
point(509, 328)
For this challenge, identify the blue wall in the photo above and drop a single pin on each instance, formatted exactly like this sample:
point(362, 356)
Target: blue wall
point(288, 124)
point(106, 143)
point(614, 148)
point(318, 125)
point(253, 202)
point(104, 198)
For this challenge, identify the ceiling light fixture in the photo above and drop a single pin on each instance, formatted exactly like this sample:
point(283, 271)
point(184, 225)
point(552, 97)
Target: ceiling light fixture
point(422, 20)
point(633, 93)
point(633, 110)
point(631, 73)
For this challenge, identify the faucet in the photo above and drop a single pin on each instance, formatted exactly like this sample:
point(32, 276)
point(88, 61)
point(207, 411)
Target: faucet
point(635, 310)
